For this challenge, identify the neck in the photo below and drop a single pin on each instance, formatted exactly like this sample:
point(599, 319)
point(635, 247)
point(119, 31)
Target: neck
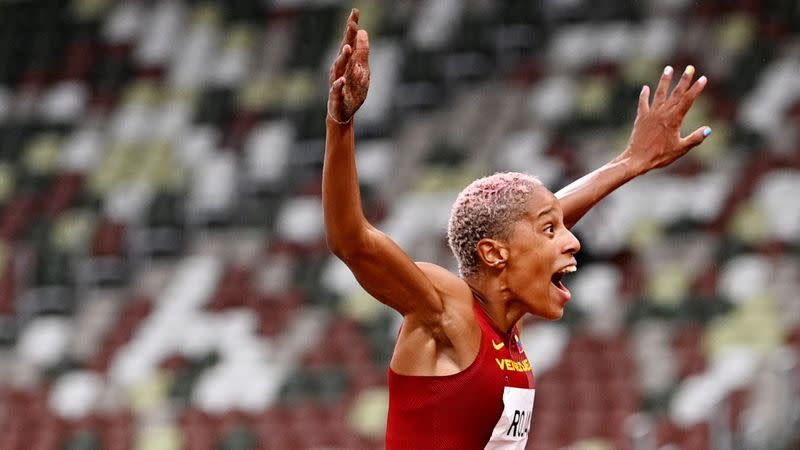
point(497, 301)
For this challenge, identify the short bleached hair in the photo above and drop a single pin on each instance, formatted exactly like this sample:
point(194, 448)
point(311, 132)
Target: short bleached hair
point(486, 209)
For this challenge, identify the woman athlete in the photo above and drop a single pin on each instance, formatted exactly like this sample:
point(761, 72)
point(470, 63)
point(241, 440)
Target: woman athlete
point(458, 378)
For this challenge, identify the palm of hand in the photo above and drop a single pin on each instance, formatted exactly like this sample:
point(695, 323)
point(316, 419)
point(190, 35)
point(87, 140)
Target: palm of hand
point(356, 82)
point(349, 74)
point(655, 140)
point(659, 136)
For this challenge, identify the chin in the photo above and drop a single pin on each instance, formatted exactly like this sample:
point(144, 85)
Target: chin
point(555, 313)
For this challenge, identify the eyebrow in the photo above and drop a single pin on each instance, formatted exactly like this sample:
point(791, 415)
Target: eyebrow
point(545, 212)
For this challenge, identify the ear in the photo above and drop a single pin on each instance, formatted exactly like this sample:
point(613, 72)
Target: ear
point(493, 253)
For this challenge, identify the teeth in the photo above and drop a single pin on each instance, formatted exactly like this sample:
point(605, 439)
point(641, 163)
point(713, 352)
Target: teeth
point(568, 269)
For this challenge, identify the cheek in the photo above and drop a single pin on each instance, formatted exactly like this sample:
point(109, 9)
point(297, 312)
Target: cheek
point(538, 263)
point(532, 272)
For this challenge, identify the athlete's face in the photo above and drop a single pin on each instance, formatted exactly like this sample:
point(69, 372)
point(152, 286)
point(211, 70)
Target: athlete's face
point(541, 250)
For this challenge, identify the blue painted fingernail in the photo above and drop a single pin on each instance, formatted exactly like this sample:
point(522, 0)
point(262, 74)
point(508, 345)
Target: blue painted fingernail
point(707, 132)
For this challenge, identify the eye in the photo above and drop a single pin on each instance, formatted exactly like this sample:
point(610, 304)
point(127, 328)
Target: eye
point(549, 228)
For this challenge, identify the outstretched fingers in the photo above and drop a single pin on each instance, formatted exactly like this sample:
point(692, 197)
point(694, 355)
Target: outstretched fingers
point(336, 99)
point(663, 86)
point(687, 100)
point(696, 138)
point(644, 99)
point(340, 63)
point(337, 89)
point(683, 83)
point(350, 29)
point(361, 51)
point(357, 72)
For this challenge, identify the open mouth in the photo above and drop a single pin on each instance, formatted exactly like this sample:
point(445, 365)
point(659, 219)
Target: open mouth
point(559, 275)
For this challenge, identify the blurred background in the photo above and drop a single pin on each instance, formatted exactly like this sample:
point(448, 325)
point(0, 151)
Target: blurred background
point(164, 280)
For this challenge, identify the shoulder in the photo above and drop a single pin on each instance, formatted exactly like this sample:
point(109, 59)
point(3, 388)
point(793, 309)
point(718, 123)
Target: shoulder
point(457, 310)
point(452, 336)
point(450, 287)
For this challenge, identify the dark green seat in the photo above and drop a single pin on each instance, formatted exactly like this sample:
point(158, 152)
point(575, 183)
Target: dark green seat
point(238, 438)
point(83, 440)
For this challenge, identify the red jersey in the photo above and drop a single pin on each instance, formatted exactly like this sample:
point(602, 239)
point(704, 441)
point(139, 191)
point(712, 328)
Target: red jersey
point(488, 405)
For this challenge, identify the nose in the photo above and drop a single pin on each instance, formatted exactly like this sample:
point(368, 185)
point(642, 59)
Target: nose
point(571, 244)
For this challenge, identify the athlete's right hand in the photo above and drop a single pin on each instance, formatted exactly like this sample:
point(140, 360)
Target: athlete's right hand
point(349, 75)
point(656, 138)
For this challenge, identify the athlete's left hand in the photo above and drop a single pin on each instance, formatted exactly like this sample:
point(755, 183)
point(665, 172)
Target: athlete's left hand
point(349, 74)
point(656, 140)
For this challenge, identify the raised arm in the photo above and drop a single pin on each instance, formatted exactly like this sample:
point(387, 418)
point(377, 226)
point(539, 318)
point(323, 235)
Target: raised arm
point(655, 142)
point(379, 265)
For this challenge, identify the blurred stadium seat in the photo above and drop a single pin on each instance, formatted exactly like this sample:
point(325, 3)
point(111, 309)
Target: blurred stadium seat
point(164, 280)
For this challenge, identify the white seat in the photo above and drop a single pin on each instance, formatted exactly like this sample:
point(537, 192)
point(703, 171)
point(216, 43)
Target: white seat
point(652, 351)
point(235, 60)
point(232, 67)
point(616, 41)
point(192, 284)
point(174, 320)
point(161, 28)
point(198, 337)
point(657, 38)
point(124, 22)
point(595, 290)
point(244, 378)
point(524, 152)
point(214, 188)
point(44, 340)
point(94, 318)
point(771, 196)
point(128, 203)
point(699, 396)
point(196, 145)
point(133, 122)
point(572, 47)
point(267, 150)
point(656, 198)
point(384, 59)
point(300, 220)
point(435, 23)
point(374, 161)
point(695, 400)
point(419, 215)
point(74, 394)
point(553, 99)
point(735, 367)
point(707, 194)
point(82, 150)
point(64, 102)
point(215, 392)
point(274, 274)
point(337, 277)
point(549, 342)
point(596, 226)
point(236, 333)
point(263, 385)
point(777, 88)
point(744, 277)
point(193, 56)
point(773, 398)
point(174, 119)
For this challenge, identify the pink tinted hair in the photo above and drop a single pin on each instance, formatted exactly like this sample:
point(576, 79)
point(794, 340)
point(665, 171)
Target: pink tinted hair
point(485, 209)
